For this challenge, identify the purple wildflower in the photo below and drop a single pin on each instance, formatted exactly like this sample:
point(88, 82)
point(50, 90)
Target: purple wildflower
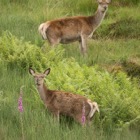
point(20, 106)
point(83, 114)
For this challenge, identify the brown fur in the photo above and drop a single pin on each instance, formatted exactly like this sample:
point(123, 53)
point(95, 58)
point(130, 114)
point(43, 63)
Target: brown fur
point(65, 103)
point(78, 28)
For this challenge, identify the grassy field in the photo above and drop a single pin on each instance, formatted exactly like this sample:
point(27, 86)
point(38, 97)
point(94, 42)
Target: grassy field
point(115, 47)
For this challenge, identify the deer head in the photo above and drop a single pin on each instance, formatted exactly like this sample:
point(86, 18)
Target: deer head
point(39, 77)
point(103, 4)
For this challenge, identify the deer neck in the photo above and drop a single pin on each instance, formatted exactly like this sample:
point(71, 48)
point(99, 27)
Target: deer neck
point(43, 91)
point(98, 17)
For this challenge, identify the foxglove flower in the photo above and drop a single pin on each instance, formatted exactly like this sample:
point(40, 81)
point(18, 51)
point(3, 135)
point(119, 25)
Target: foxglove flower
point(83, 114)
point(20, 106)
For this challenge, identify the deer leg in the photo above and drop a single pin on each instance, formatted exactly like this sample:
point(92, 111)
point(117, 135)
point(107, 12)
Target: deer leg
point(54, 41)
point(78, 119)
point(89, 122)
point(82, 45)
point(56, 115)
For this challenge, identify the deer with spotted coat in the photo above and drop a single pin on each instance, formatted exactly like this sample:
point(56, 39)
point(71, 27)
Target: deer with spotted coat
point(71, 29)
point(64, 103)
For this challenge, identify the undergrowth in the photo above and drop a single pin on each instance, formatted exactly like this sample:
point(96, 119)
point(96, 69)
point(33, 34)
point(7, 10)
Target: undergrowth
point(118, 97)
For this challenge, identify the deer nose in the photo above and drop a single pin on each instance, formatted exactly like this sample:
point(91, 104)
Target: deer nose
point(37, 81)
point(105, 7)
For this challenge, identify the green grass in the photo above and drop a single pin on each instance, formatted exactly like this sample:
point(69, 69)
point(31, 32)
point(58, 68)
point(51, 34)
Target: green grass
point(105, 51)
point(115, 41)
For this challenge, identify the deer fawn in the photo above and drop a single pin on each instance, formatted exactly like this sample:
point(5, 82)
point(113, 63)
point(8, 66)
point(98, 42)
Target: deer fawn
point(64, 103)
point(78, 28)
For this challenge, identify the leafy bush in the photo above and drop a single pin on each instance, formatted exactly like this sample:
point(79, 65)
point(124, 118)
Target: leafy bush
point(16, 53)
point(115, 95)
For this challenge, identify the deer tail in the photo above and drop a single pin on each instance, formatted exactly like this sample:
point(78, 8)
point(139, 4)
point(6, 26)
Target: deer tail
point(43, 28)
point(94, 108)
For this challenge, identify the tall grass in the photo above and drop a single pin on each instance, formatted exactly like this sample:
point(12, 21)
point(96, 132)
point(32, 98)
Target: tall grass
point(104, 52)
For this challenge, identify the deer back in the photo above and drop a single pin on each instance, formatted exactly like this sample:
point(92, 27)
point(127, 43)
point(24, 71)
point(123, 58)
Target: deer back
point(68, 103)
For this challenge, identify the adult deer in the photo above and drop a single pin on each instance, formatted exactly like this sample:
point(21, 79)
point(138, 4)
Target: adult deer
point(78, 28)
point(64, 103)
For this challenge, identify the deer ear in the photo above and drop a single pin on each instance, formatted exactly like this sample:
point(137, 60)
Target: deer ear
point(47, 71)
point(31, 71)
point(108, 1)
point(99, 1)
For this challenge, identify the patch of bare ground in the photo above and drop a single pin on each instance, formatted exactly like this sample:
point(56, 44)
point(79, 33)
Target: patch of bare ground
point(131, 66)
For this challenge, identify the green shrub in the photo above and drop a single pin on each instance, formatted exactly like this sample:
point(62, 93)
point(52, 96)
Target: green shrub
point(17, 54)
